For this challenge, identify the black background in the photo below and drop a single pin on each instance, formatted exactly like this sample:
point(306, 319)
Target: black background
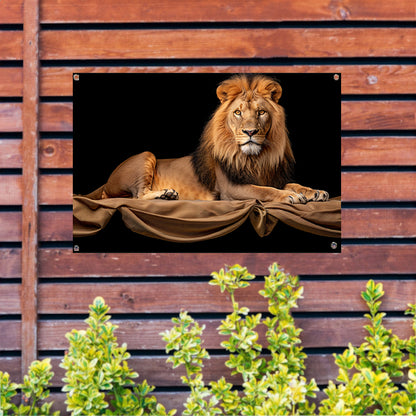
point(119, 115)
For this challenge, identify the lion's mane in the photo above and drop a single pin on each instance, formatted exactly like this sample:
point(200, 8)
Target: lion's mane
point(273, 166)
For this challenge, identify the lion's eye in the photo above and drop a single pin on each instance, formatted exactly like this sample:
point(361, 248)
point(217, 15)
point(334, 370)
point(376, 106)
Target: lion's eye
point(237, 112)
point(262, 112)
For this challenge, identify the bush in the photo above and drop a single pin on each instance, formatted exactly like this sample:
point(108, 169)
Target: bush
point(34, 389)
point(276, 386)
point(98, 380)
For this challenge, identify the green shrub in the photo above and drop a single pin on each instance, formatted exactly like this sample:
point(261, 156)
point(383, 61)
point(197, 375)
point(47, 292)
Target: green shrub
point(367, 373)
point(34, 389)
point(98, 380)
point(276, 386)
point(270, 387)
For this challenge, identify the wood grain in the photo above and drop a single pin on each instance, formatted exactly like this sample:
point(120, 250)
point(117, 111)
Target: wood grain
point(98, 11)
point(378, 151)
point(354, 259)
point(10, 299)
point(30, 182)
point(378, 186)
point(157, 372)
point(53, 190)
point(11, 117)
point(379, 223)
point(13, 341)
point(361, 259)
point(230, 43)
point(11, 42)
point(11, 80)
point(378, 115)
point(145, 334)
point(11, 11)
point(199, 297)
point(53, 153)
point(356, 79)
point(53, 226)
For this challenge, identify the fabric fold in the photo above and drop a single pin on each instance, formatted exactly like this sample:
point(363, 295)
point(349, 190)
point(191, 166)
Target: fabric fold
point(192, 221)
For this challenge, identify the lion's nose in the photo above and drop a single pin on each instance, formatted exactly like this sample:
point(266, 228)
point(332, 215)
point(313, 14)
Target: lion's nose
point(250, 133)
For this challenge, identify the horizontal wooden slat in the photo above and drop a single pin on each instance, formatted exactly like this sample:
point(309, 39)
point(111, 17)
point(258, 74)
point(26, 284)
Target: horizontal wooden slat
point(356, 115)
point(378, 115)
point(229, 43)
point(10, 154)
point(361, 259)
point(158, 372)
point(11, 80)
point(11, 117)
point(53, 153)
point(378, 186)
point(53, 226)
point(356, 79)
point(379, 223)
point(202, 297)
point(145, 335)
point(11, 11)
point(11, 342)
point(98, 11)
point(10, 299)
point(55, 117)
point(53, 190)
point(11, 42)
point(378, 151)
point(354, 259)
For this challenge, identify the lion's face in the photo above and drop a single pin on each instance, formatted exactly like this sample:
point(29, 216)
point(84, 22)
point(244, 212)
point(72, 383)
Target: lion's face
point(249, 117)
point(246, 136)
point(249, 121)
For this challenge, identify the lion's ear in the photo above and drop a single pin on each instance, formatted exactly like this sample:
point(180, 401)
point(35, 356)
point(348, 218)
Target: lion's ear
point(229, 89)
point(222, 93)
point(275, 91)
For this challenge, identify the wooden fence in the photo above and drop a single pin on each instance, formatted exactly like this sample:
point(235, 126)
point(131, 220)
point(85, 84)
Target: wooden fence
point(45, 288)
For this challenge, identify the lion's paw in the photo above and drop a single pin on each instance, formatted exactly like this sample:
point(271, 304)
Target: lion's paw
point(295, 198)
point(309, 193)
point(320, 196)
point(169, 194)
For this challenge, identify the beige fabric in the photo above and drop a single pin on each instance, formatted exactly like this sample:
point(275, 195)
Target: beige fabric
point(191, 221)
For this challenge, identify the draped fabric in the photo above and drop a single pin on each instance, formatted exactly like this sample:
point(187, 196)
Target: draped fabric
point(192, 221)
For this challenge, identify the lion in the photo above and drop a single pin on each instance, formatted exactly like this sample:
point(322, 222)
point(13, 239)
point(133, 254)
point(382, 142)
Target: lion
point(244, 153)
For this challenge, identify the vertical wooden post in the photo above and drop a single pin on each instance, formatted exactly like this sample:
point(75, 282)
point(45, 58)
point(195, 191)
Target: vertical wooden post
point(30, 181)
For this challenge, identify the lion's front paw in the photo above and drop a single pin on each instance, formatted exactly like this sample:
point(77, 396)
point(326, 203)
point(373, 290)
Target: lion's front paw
point(294, 198)
point(320, 195)
point(169, 194)
point(309, 193)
